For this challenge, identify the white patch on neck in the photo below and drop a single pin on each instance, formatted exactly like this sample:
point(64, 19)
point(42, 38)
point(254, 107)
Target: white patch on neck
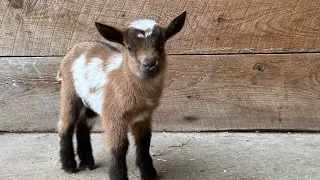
point(140, 117)
point(89, 76)
point(146, 25)
point(114, 63)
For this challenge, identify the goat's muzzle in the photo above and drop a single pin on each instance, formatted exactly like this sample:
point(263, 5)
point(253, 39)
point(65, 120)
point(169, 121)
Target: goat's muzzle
point(149, 66)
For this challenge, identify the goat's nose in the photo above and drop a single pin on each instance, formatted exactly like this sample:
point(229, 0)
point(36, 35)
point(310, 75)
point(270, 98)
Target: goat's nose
point(150, 65)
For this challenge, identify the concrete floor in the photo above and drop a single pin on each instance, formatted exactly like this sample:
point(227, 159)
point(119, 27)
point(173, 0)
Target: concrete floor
point(177, 156)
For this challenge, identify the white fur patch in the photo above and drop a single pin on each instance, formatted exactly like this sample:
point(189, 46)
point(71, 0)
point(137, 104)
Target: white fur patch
point(88, 76)
point(93, 76)
point(146, 25)
point(58, 77)
point(140, 117)
point(115, 63)
point(140, 35)
point(60, 125)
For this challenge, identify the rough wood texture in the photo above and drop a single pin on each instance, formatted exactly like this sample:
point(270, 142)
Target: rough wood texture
point(45, 28)
point(203, 93)
point(29, 98)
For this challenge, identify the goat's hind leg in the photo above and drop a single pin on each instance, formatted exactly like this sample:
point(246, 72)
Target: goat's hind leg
point(69, 113)
point(84, 149)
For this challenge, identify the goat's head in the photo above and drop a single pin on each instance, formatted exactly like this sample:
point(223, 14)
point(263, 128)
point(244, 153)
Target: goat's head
point(144, 41)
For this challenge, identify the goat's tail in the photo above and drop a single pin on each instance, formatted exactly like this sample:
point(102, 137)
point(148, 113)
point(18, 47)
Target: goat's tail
point(58, 77)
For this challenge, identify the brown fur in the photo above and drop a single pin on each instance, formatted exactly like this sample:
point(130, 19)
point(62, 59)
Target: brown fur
point(141, 127)
point(127, 92)
point(131, 94)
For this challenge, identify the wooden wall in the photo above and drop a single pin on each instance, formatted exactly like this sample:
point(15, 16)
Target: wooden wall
point(236, 65)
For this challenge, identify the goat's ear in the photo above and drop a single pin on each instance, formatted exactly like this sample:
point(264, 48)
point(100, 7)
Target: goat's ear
point(176, 25)
point(110, 33)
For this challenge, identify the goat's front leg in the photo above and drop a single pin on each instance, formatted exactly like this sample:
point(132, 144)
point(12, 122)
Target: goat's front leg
point(142, 134)
point(118, 143)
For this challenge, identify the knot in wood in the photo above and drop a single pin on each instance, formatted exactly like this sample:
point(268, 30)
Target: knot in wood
point(259, 66)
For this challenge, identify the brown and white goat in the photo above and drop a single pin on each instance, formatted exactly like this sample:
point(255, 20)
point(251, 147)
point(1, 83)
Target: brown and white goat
point(123, 87)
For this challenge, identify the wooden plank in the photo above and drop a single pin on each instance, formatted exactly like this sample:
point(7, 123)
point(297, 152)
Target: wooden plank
point(203, 93)
point(50, 28)
point(29, 98)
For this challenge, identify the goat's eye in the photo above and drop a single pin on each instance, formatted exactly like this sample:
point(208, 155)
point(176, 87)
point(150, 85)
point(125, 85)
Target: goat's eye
point(129, 48)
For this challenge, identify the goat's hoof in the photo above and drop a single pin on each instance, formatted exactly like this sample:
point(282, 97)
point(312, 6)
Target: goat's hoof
point(149, 174)
point(70, 166)
point(86, 165)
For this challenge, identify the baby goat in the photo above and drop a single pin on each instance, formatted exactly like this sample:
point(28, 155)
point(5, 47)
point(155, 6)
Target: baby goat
point(123, 87)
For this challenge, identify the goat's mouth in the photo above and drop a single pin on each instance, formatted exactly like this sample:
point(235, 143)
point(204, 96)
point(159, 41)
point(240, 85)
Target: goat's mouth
point(149, 72)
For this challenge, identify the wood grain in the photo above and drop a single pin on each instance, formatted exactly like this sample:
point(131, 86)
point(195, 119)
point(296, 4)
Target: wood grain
point(29, 98)
point(203, 93)
point(50, 28)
